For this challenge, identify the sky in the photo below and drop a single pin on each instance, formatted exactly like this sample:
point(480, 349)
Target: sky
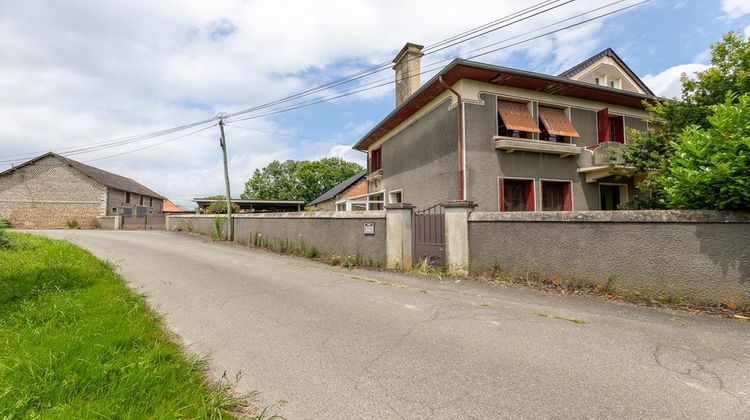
point(79, 73)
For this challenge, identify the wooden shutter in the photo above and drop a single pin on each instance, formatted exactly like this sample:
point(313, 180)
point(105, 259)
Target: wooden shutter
point(529, 195)
point(501, 195)
point(619, 129)
point(517, 117)
point(602, 119)
point(375, 160)
point(567, 199)
point(557, 122)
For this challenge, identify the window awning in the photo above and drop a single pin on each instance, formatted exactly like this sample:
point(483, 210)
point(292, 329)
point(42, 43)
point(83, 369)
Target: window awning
point(557, 122)
point(517, 117)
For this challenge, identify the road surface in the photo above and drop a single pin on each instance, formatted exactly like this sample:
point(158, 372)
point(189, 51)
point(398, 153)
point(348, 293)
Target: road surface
point(335, 343)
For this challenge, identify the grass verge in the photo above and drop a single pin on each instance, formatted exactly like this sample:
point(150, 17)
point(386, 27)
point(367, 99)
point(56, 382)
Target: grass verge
point(75, 342)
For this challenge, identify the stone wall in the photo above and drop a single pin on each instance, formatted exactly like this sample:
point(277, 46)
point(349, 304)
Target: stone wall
point(330, 233)
point(116, 203)
point(48, 193)
point(694, 255)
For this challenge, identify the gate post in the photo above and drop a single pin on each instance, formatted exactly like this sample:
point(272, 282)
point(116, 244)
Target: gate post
point(118, 222)
point(398, 240)
point(457, 235)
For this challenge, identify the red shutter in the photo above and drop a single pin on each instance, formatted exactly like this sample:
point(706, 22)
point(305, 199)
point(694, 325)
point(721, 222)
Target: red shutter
point(619, 130)
point(502, 194)
point(602, 119)
point(529, 196)
point(567, 199)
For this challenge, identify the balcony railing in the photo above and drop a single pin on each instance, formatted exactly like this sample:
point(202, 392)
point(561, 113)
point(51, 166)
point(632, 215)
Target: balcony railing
point(596, 163)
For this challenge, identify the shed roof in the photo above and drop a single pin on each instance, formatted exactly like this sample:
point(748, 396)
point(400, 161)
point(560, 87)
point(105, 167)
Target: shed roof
point(339, 188)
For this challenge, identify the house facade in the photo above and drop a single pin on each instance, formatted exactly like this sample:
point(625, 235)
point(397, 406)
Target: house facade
point(50, 190)
point(510, 140)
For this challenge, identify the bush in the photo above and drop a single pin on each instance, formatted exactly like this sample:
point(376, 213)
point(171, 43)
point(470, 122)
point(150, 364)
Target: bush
point(710, 168)
point(220, 207)
point(73, 223)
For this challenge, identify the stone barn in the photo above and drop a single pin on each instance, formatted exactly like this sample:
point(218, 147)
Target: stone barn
point(50, 191)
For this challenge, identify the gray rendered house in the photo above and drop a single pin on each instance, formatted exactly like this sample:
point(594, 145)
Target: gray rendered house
point(516, 141)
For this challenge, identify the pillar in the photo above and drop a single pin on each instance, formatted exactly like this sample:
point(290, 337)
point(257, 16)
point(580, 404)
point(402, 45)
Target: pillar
point(457, 235)
point(398, 248)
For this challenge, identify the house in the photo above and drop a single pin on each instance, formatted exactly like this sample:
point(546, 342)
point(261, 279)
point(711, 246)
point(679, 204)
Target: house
point(349, 194)
point(50, 190)
point(507, 139)
point(171, 208)
point(256, 206)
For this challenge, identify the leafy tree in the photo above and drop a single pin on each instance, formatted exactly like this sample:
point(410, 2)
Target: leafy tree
point(298, 180)
point(710, 168)
point(652, 152)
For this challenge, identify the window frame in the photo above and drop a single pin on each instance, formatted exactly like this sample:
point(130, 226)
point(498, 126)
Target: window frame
point(375, 160)
point(500, 193)
point(390, 196)
point(140, 200)
point(349, 201)
point(127, 197)
point(555, 181)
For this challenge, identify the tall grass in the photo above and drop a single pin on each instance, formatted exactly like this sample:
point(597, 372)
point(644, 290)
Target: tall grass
point(76, 343)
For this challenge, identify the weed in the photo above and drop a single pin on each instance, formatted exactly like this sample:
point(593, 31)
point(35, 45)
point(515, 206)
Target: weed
point(335, 260)
point(311, 252)
point(73, 223)
point(4, 239)
point(562, 318)
point(427, 266)
point(351, 261)
point(218, 227)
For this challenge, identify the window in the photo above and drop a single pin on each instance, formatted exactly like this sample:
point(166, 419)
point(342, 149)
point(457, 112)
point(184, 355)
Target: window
point(555, 125)
point(151, 201)
point(340, 206)
point(556, 196)
point(516, 194)
point(613, 84)
point(140, 200)
point(395, 197)
point(127, 197)
point(596, 81)
point(610, 128)
point(612, 195)
point(515, 120)
point(375, 160)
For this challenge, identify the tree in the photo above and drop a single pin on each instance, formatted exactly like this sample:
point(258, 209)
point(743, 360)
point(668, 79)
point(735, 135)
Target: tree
point(652, 152)
point(710, 168)
point(298, 180)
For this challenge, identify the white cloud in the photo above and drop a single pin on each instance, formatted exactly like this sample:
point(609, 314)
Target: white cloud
point(78, 72)
point(735, 8)
point(667, 83)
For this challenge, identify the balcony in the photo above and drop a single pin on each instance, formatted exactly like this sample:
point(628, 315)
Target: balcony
point(596, 164)
point(512, 144)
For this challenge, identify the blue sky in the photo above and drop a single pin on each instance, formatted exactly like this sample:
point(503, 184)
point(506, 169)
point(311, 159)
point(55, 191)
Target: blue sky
point(82, 72)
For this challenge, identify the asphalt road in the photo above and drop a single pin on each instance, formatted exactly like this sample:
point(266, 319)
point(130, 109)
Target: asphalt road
point(335, 343)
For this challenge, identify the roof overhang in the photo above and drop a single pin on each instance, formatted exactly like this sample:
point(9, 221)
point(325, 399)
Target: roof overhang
point(463, 69)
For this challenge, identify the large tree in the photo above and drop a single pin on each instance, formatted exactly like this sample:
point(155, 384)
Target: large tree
point(298, 180)
point(721, 84)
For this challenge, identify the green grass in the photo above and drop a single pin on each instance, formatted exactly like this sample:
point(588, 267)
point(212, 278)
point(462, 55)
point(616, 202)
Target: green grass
point(76, 343)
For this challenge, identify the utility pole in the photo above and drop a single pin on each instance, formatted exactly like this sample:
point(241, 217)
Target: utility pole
point(223, 143)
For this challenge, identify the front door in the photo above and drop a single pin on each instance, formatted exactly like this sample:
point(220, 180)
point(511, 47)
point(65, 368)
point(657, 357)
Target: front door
point(610, 196)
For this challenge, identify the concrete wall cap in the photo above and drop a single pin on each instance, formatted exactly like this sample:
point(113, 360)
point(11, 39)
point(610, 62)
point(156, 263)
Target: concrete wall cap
point(374, 214)
point(617, 216)
point(459, 204)
point(400, 206)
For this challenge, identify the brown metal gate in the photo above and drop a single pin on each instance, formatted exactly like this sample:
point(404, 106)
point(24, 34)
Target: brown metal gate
point(428, 235)
point(143, 223)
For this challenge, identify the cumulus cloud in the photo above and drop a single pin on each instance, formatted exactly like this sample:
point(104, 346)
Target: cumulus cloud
point(667, 83)
point(735, 8)
point(81, 72)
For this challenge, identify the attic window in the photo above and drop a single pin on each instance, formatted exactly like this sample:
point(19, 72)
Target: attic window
point(515, 120)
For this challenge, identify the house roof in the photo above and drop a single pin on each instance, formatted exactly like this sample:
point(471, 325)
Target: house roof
point(170, 207)
point(464, 69)
point(101, 176)
point(339, 188)
point(609, 52)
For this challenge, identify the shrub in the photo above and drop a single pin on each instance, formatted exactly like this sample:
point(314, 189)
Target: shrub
point(220, 207)
point(73, 223)
point(4, 240)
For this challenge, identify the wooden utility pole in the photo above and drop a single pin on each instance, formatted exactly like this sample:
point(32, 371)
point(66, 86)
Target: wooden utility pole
point(223, 142)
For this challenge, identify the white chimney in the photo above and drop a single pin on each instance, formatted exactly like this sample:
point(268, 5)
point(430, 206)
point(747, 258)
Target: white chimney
point(407, 65)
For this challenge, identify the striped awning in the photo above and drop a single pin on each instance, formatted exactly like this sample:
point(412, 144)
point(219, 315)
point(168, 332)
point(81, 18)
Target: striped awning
point(557, 122)
point(517, 117)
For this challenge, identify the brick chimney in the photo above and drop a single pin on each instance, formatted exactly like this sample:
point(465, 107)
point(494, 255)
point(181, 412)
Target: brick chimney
point(407, 65)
